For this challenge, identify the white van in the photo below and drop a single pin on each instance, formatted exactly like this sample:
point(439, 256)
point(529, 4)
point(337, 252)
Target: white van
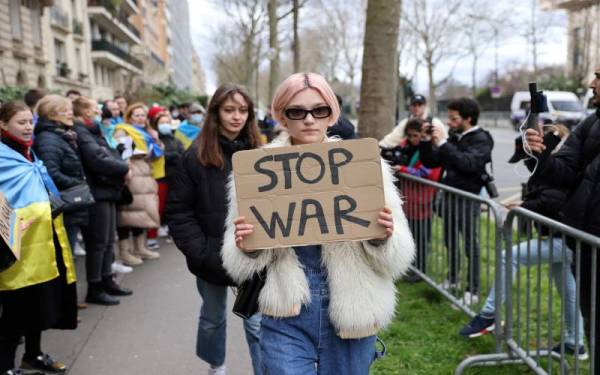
point(563, 107)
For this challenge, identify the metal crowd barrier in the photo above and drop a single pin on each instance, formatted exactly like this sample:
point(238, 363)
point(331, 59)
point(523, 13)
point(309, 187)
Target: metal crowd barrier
point(537, 263)
point(456, 234)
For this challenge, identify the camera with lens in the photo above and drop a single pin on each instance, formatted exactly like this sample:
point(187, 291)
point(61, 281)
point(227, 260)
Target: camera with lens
point(394, 155)
point(489, 185)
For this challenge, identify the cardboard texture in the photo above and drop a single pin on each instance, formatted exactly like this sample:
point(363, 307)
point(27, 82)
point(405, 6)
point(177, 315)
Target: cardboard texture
point(7, 223)
point(310, 194)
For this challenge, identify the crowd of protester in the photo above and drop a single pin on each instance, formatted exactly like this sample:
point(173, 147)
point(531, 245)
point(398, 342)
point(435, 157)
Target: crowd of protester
point(147, 172)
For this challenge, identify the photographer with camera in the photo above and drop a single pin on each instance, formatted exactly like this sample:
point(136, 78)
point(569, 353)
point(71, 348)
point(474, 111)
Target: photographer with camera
point(417, 197)
point(463, 157)
point(416, 109)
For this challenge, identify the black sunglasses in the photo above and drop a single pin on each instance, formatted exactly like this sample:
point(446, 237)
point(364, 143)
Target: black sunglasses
point(301, 113)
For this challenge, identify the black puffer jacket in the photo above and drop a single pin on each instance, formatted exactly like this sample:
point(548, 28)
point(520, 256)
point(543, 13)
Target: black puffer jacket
point(60, 158)
point(196, 211)
point(103, 166)
point(576, 167)
point(463, 160)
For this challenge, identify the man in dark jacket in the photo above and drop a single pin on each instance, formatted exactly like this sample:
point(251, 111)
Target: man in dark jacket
point(463, 156)
point(576, 167)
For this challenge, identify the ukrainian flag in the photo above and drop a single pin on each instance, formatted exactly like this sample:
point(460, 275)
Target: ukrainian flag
point(144, 143)
point(187, 133)
point(22, 183)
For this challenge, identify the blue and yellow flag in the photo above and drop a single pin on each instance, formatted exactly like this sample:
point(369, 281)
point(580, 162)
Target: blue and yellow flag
point(22, 183)
point(187, 133)
point(144, 143)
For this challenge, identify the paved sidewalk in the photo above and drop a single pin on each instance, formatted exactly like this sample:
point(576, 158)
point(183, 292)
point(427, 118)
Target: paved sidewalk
point(151, 332)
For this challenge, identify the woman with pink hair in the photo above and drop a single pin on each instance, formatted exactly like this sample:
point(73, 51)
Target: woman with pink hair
point(322, 304)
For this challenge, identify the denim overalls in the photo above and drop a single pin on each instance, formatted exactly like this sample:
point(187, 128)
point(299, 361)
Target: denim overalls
point(308, 344)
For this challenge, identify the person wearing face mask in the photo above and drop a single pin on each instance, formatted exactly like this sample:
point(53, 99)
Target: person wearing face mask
point(190, 128)
point(56, 145)
point(38, 292)
point(173, 148)
point(147, 163)
point(106, 174)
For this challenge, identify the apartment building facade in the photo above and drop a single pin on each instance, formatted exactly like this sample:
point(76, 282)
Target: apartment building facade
point(583, 46)
point(23, 54)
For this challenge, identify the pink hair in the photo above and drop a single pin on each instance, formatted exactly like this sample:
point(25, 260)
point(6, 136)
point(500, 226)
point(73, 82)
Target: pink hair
point(302, 81)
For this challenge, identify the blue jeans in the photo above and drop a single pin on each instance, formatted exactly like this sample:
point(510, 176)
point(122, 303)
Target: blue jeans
point(540, 252)
point(211, 338)
point(308, 344)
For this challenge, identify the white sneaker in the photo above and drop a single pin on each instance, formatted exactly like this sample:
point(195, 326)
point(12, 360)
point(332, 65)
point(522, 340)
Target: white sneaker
point(118, 267)
point(163, 231)
point(152, 245)
point(217, 370)
point(470, 299)
point(78, 250)
point(448, 285)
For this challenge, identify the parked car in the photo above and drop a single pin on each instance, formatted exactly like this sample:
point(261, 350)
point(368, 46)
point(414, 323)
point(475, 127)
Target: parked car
point(563, 107)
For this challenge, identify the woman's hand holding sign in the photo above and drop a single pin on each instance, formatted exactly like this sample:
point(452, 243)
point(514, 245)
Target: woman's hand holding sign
point(242, 230)
point(387, 221)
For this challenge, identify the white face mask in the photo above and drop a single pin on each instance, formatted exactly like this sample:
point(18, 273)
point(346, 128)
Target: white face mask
point(196, 118)
point(165, 129)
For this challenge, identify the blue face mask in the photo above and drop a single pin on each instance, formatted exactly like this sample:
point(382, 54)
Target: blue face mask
point(196, 118)
point(97, 119)
point(165, 129)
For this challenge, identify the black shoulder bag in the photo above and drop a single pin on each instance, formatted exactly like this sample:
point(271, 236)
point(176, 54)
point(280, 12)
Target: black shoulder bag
point(246, 300)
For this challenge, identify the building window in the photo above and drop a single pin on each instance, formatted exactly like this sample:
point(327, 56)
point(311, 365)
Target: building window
point(78, 60)
point(36, 25)
point(21, 79)
point(41, 82)
point(60, 56)
point(15, 19)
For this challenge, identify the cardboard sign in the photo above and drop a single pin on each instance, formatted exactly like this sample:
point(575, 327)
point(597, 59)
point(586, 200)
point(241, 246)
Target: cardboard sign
point(310, 194)
point(10, 231)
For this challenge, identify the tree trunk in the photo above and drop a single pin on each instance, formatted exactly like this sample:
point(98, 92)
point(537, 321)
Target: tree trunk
point(474, 76)
point(377, 91)
point(296, 42)
point(273, 49)
point(432, 99)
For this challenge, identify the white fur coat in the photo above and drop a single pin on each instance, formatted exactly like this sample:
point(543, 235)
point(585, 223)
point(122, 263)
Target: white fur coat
point(361, 276)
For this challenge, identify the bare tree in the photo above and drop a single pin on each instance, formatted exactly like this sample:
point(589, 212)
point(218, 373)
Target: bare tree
point(439, 36)
point(347, 27)
point(273, 53)
point(377, 101)
point(536, 28)
point(239, 45)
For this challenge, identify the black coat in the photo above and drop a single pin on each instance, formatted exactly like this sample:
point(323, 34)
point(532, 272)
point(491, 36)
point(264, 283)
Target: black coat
point(173, 151)
point(463, 160)
point(343, 128)
point(103, 166)
point(62, 160)
point(196, 211)
point(576, 167)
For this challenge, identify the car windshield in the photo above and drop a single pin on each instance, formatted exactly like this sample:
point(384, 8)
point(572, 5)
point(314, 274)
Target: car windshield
point(567, 105)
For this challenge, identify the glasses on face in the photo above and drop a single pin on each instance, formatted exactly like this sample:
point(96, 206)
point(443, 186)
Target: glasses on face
point(301, 113)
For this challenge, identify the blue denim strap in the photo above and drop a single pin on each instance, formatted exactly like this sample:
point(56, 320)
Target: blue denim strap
point(380, 354)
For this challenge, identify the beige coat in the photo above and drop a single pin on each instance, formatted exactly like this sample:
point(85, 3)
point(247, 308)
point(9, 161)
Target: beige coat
point(143, 211)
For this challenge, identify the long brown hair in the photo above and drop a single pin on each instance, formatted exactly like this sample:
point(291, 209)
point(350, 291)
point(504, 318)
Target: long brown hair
point(209, 148)
point(8, 110)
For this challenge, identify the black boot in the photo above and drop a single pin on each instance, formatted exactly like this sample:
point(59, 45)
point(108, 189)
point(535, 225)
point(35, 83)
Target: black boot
point(111, 287)
point(98, 296)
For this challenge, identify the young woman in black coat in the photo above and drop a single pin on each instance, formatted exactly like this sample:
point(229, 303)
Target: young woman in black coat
point(106, 173)
point(197, 209)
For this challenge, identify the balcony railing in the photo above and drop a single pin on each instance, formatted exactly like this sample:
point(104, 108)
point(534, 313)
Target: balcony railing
point(59, 18)
point(104, 45)
point(116, 12)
